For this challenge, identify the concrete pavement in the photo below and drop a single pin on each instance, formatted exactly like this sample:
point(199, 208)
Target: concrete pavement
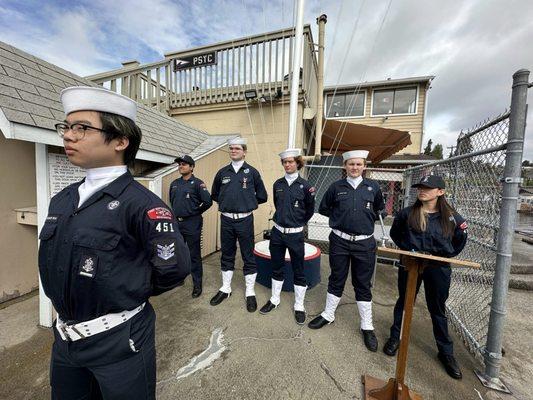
point(207, 352)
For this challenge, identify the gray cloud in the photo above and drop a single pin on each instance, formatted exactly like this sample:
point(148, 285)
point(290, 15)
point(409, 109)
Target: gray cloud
point(472, 47)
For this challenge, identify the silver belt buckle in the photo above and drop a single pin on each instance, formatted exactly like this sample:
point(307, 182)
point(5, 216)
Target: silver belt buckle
point(62, 328)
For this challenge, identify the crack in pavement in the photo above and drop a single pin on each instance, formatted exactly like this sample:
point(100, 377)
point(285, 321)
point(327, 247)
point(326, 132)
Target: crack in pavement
point(205, 359)
point(328, 373)
point(298, 335)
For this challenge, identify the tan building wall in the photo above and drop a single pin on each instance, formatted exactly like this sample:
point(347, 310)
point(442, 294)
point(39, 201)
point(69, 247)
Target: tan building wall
point(205, 169)
point(413, 123)
point(18, 243)
point(266, 129)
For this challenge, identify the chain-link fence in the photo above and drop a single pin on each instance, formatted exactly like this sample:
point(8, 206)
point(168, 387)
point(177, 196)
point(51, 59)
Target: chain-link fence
point(474, 189)
point(482, 181)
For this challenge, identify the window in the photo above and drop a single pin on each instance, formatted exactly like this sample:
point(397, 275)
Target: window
point(394, 101)
point(345, 105)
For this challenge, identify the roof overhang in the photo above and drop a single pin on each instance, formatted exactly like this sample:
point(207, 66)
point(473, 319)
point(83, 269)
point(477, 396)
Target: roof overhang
point(340, 136)
point(417, 80)
point(28, 133)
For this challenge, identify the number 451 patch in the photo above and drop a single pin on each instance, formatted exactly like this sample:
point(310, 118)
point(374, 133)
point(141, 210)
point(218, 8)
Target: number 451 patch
point(164, 227)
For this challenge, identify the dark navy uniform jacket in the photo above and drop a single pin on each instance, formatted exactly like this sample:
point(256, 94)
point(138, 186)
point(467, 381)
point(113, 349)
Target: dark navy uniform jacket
point(295, 204)
point(189, 197)
point(352, 211)
point(238, 192)
point(119, 248)
point(432, 240)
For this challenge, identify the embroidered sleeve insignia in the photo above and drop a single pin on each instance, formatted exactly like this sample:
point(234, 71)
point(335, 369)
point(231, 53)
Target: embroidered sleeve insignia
point(159, 213)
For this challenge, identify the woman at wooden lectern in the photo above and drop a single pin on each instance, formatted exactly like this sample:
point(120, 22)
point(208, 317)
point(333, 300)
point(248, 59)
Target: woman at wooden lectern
point(431, 226)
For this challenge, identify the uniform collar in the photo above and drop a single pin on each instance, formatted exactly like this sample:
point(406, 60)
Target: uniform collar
point(105, 172)
point(291, 178)
point(237, 164)
point(188, 180)
point(116, 187)
point(365, 182)
point(354, 181)
point(243, 165)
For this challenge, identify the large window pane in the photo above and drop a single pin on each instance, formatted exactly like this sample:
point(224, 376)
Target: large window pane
point(394, 101)
point(335, 106)
point(383, 102)
point(404, 101)
point(355, 104)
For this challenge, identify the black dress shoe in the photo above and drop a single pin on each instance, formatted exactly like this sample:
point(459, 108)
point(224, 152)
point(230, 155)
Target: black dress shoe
point(450, 365)
point(391, 347)
point(219, 298)
point(299, 316)
point(196, 291)
point(370, 339)
point(251, 303)
point(318, 322)
point(267, 308)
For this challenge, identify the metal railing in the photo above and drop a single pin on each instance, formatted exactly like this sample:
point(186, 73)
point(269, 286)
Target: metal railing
point(260, 62)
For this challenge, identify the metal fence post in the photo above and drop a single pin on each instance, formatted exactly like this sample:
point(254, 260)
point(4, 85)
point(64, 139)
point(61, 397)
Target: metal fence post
point(407, 189)
point(511, 180)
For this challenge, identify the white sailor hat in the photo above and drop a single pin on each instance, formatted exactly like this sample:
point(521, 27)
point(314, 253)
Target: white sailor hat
point(354, 154)
point(237, 141)
point(290, 153)
point(85, 98)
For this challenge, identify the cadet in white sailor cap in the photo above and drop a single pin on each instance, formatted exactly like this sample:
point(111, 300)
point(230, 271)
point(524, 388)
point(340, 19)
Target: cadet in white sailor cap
point(107, 245)
point(294, 199)
point(238, 189)
point(352, 205)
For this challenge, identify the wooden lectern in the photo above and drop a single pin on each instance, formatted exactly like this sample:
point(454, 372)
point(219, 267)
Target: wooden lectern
point(395, 388)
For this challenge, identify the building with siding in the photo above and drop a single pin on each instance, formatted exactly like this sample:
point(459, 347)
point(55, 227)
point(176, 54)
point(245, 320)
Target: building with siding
point(392, 103)
point(244, 92)
point(33, 165)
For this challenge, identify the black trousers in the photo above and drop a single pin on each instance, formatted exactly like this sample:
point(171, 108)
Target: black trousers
point(231, 231)
point(361, 255)
point(191, 230)
point(107, 367)
point(279, 242)
point(437, 281)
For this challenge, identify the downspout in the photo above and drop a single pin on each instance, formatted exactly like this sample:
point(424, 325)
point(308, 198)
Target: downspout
point(321, 21)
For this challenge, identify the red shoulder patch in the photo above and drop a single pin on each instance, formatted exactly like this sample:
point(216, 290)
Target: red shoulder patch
point(463, 226)
point(202, 185)
point(159, 213)
point(312, 189)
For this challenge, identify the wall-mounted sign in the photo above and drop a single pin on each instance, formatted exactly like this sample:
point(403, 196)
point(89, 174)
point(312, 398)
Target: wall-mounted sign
point(199, 60)
point(62, 173)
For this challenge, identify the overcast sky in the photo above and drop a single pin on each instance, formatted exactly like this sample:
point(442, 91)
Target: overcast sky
point(472, 47)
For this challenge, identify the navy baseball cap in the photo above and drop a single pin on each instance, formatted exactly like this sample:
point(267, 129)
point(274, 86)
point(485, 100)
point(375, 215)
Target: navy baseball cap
point(431, 181)
point(186, 159)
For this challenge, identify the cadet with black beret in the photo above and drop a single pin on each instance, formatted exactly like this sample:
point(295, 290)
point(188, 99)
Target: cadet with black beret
point(107, 245)
point(189, 199)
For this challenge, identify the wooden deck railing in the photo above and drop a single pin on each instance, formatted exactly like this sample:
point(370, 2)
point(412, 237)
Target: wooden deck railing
point(260, 62)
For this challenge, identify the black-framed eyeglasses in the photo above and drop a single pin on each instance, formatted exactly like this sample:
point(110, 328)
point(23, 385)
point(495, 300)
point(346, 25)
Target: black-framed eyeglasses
point(77, 129)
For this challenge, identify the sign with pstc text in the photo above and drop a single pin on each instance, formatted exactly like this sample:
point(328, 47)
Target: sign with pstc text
point(198, 60)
